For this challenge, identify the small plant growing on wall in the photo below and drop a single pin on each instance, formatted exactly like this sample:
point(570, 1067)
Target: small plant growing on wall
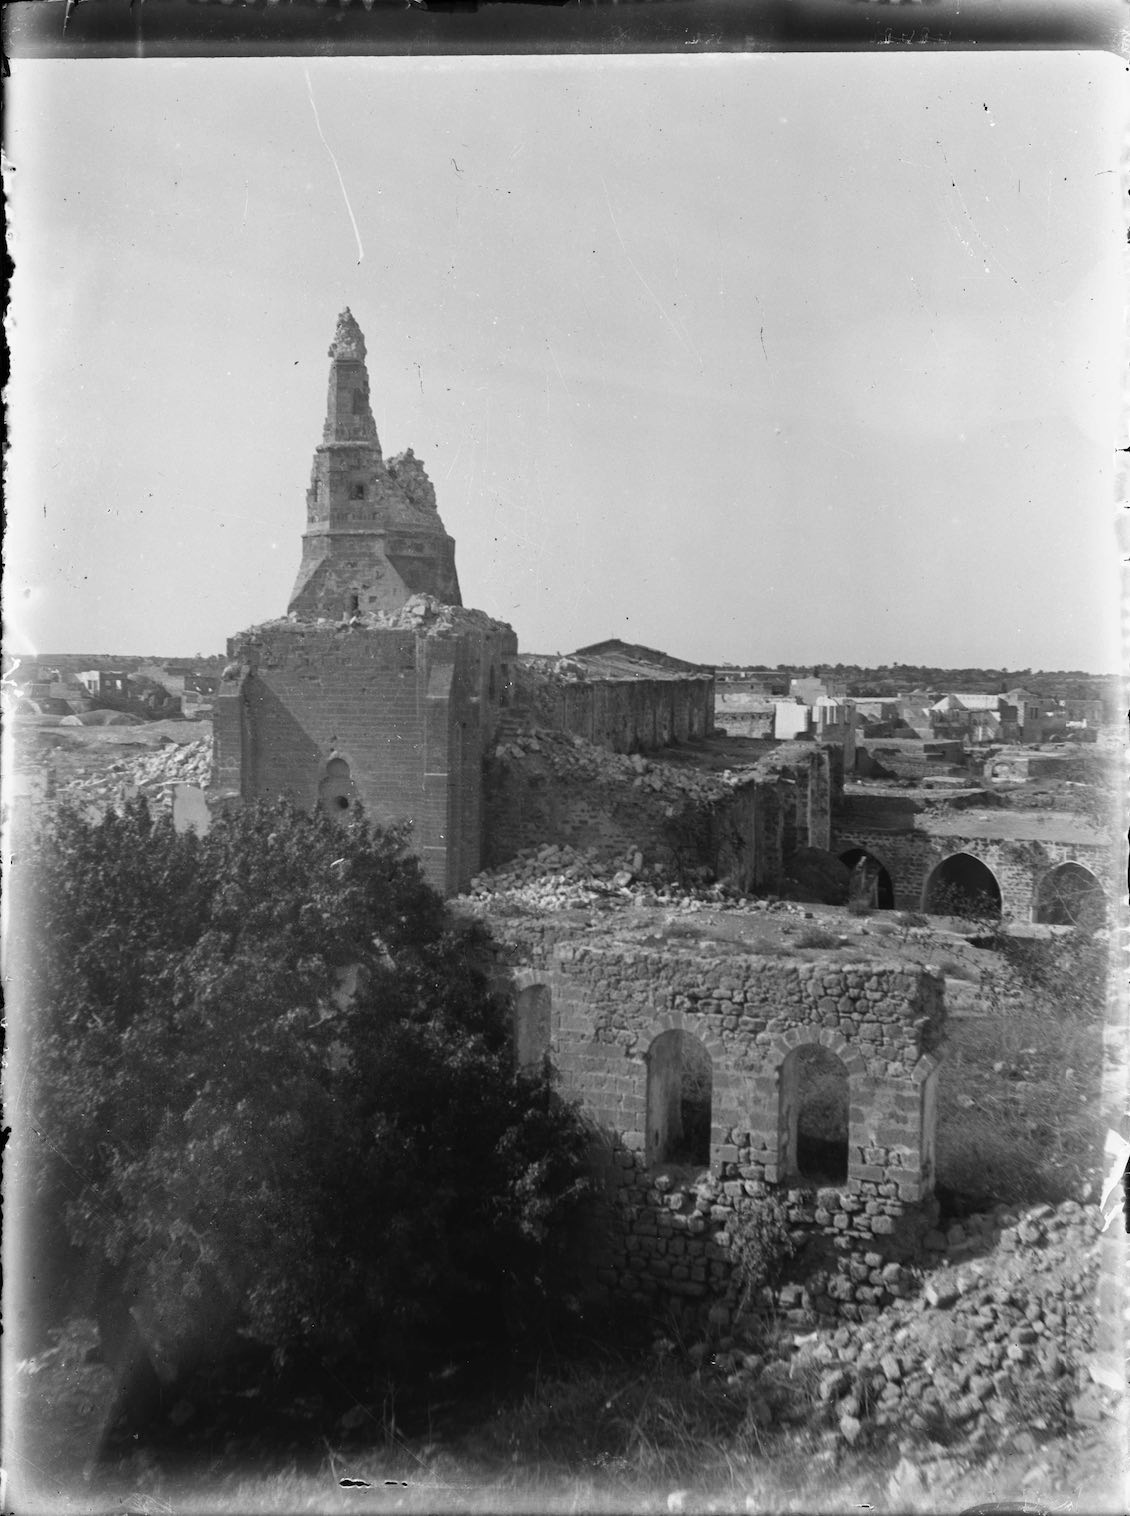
point(761, 1244)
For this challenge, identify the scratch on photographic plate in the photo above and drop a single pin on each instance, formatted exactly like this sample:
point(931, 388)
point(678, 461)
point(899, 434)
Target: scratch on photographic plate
point(333, 160)
point(682, 336)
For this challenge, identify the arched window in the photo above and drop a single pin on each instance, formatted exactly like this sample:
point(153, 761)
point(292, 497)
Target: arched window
point(531, 1024)
point(680, 1079)
point(1070, 895)
point(813, 1116)
point(336, 793)
point(870, 882)
point(962, 886)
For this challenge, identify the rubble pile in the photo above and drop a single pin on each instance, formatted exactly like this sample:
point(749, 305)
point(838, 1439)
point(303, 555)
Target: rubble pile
point(576, 760)
point(557, 876)
point(155, 774)
point(998, 1345)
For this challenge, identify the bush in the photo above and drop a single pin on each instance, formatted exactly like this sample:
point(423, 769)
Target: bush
point(817, 937)
point(281, 1094)
point(761, 1244)
point(860, 907)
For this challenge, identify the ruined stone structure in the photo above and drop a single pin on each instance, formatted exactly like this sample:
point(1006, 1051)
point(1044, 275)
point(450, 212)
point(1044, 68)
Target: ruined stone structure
point(1012, 857)
point(716, 1072)
point(378, 687)
point(743, 823)
point(695, 1063)
point(396, 717)
point(624, 697)
point(373, 536)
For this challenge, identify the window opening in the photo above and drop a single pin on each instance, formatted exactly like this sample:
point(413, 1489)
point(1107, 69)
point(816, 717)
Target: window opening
point(336, 793)
point(814, 1115)
point(680, 1080)
point(1070, 895)
point(870, 882)
point(962, 886)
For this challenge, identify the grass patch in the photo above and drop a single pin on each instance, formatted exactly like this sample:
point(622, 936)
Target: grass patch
point(817, 937)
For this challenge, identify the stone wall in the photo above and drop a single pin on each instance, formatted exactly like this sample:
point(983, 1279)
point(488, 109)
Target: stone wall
point(876, 757)
point(395, 719)
point(703, 825)
point(664, 1228)
point(1019, 867)
point(629, 715)
point(736, 722)
point(741, 827)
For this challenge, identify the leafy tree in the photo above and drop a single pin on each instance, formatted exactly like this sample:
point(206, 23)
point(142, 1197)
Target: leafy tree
point(277, 1087)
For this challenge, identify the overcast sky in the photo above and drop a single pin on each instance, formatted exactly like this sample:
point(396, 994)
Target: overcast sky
point(751, 358)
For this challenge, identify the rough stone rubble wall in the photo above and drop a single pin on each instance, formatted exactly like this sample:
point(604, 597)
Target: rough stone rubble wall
point(1019, 867)
point(666, 1232)
point(681, 828)
point(544, 787)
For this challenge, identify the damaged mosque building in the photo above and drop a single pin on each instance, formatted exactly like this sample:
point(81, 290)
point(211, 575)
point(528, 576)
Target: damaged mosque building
point(690, 1050)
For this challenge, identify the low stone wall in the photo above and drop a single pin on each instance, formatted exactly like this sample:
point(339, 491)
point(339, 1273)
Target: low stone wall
point(664, 1229)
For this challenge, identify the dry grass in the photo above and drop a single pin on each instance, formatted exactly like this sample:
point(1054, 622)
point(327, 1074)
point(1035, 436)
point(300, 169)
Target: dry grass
point(1019, 1117)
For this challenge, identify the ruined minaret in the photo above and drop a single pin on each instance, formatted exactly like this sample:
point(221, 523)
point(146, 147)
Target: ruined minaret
point(373, 535)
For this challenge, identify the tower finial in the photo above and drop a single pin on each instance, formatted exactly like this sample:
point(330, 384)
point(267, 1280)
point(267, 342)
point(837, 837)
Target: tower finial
point(348, 341)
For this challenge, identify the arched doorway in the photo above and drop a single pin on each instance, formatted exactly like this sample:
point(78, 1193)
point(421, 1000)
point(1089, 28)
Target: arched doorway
point(870, 882)
point(1070, 895)
point(336, 793)
point(813, 1115)
point(962, 885)
point(680, 1080)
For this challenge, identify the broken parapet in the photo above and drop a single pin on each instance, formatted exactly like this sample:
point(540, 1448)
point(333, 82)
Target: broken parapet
point(420, 613)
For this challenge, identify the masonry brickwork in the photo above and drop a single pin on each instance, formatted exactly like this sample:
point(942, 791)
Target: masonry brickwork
point(378, 688)
point(630, 701)
point(1019, 866)
point(599, 1007)
point(373, 535)
point(740, 825)
point(395, 718)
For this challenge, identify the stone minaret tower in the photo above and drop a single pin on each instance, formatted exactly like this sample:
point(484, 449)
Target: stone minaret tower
point(373, 535)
